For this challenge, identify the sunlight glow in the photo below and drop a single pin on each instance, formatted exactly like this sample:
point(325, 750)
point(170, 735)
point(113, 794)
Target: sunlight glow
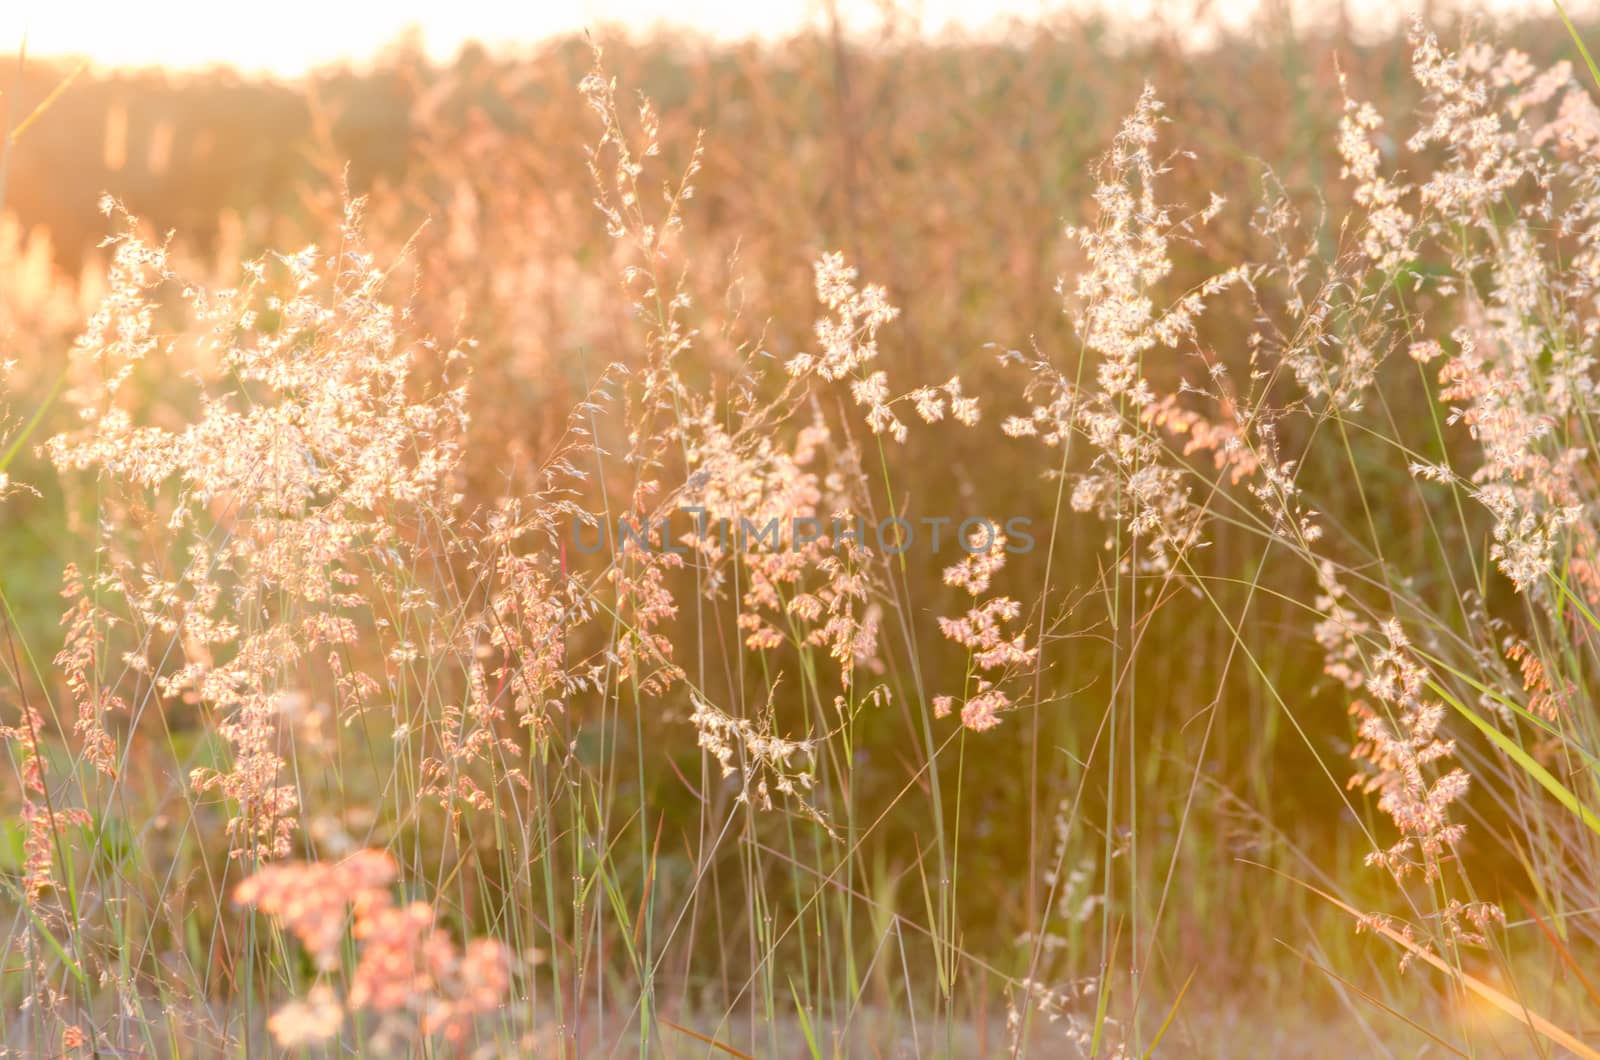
point(290, 37)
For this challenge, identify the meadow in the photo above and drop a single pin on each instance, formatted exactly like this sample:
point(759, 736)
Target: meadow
point(1074, 543)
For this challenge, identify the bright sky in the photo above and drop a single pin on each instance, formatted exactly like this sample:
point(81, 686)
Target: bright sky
point(290, 36)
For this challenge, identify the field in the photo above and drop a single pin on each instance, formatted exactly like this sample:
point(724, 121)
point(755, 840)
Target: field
point(1074, 543)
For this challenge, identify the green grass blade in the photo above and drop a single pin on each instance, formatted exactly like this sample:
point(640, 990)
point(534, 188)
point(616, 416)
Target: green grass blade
point(1524, 761)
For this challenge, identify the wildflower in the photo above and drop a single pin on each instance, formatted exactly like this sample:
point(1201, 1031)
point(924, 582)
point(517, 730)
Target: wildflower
point(404, 963)
point(298, 1024)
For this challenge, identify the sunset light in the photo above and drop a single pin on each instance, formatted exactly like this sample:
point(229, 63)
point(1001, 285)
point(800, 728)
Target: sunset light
point(799, 529)
point(303, 34)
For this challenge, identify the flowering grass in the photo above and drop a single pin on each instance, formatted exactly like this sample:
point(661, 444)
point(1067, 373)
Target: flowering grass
point(484, 638)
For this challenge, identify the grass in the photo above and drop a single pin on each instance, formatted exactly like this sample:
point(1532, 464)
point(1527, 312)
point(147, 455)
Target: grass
point(465, 647)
